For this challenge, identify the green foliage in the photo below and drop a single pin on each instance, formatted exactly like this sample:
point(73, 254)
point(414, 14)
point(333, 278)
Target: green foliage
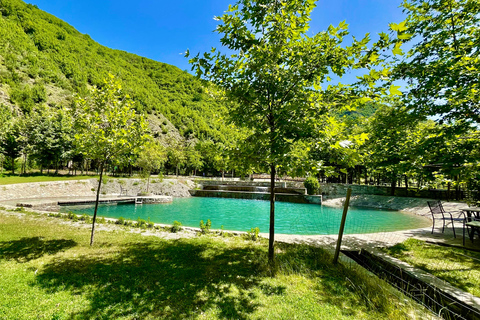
point(86, 218)
point(72, 216)
point(253, 234)
point(120, 221)
point(312, 185)
point(442, 66)
point(277, 77)
point(205, 227)
point(106, 125)
point(176, 227)
point(141, 223)
point(151, 158)
point(42, 47)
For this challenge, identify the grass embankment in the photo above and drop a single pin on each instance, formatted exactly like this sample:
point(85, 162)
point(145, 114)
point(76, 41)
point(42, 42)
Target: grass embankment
point(459, 267)
point(14, 179)
point(49, 271)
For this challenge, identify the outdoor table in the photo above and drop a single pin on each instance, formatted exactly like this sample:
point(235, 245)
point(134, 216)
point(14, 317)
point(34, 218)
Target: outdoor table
point(472, 212)
point(473, 221)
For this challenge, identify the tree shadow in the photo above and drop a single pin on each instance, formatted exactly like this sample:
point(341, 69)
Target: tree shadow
point(27, 249)
point(168, 280)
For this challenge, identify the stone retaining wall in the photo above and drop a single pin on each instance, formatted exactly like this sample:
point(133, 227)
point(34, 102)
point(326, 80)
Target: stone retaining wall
point(87, 188)
point(332, 190)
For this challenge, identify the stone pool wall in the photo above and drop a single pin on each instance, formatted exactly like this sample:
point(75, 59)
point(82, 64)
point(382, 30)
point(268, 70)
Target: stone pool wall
point(87, 188)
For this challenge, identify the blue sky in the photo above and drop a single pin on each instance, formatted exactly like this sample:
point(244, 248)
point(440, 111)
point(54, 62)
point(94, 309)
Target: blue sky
point(161, 30)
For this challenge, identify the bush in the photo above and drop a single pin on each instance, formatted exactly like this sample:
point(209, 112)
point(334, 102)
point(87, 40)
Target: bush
point(150, 224)
point(205, 227)
point(312, 185)
point(177, 226)
point(120, 221)
point(253, 234)
point(141, 223)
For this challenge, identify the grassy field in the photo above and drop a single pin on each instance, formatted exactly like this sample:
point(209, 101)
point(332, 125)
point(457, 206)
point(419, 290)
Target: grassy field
point(49, 271)
point(459, 267)
point(14, 179)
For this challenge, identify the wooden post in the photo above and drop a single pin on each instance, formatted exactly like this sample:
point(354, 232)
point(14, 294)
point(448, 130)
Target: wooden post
point(342, 226)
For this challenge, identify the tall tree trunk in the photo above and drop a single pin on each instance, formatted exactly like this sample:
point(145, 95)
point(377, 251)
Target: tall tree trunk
point(148, 182)
point(96, 203)
point(13, 165)
point(271, 240)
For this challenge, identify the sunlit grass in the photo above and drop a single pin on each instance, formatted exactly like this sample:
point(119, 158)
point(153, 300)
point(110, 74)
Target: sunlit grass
point(459, 267)
point(14, 179)
point(49, 271)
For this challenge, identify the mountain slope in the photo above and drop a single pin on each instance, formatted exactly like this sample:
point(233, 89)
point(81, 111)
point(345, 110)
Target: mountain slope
point(45, 60)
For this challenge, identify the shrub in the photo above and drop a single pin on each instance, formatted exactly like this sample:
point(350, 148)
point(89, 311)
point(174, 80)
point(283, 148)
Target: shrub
point(253, 234)
point(205, 227)
point(177, 226)
point(312, 185)
point(150, 224)
point(141, 223)
point(72, 216)
point(120, 221)
point(86, 218)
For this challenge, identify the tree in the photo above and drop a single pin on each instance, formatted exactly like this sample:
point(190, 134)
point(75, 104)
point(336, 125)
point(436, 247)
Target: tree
point(442, 68)
point(176, 157)
point(108, 129)
point(10, 145)
point(393, 138)
point(152, 157)
point(194, 158)
point(6, 121)
point(277, 76)
point(49, 135)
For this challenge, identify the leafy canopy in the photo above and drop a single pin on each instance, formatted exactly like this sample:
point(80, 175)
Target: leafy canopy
point(442, 67)
point(278, 75)
point(107, 126)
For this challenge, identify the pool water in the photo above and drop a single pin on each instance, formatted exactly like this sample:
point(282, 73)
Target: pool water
point(242, 215)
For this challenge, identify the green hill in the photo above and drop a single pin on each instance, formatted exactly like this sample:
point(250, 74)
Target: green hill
point(45, 60)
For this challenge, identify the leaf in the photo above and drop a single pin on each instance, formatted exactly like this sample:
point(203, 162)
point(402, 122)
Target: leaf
point(405, 36)
point(394, 91)
point(398, 27)
point(397, 50)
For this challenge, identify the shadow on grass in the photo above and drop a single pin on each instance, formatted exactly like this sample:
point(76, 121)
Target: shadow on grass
point(172, 280)
point(27, 249)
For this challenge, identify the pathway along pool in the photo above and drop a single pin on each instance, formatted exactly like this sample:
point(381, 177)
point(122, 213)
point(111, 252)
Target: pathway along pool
point(242, 215)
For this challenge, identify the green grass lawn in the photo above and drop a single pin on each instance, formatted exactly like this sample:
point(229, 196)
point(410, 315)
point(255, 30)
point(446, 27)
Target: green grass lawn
point(49, 271)
point(14, 179)
point(459, 267)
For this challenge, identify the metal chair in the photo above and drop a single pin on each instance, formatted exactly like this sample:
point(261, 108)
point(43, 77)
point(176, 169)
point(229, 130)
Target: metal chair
point(437, 211)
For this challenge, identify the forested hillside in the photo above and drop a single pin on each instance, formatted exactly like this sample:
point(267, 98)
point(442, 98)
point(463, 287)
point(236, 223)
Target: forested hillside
point(43, 60)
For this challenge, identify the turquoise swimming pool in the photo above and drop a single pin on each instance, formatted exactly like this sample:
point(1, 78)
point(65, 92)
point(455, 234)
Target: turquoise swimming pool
point(242, 215)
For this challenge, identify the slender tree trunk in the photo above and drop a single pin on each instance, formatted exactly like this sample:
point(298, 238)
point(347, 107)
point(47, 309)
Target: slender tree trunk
point(96, 203)
point(406, 184)
point(271, 240)
point(13, 165)
point(148, 182)
point(394, 183)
